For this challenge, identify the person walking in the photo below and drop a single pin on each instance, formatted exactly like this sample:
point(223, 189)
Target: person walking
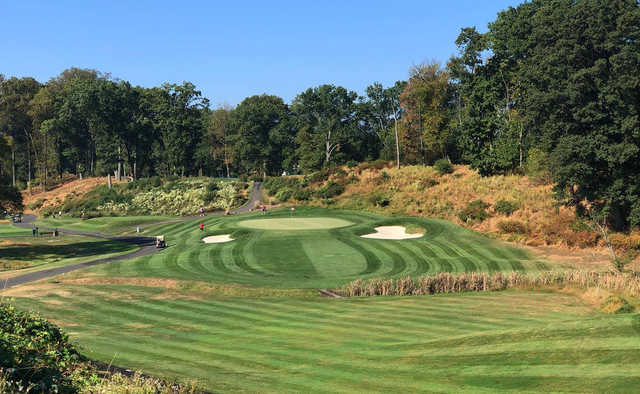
point(201, 226)
point(33, 232)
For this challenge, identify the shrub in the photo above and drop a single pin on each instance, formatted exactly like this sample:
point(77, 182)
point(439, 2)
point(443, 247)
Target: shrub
point(443, 166)
point(505, 207)
point(537, 166)
point(617, 305)
point(37, 204)
point(213, 187)
point(352, 163)
point(512, 227)
point(330, 190)
point(36, 354)
point(284, 195)
point(302, 195)
point(374, 165)
point(379, 200)
point(475, 210)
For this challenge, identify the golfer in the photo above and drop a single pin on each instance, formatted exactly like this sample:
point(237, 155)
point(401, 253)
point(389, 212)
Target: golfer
point(201, 226)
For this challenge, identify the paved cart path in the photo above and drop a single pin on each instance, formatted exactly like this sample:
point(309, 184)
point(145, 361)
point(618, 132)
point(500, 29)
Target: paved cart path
point(146, 245)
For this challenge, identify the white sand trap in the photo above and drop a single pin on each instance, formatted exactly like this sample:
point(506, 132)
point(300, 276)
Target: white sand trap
point(216, 239)
point(391, 232)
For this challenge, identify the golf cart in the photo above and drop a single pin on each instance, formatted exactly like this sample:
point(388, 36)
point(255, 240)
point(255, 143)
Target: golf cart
point(17, 218)
point(160, 243)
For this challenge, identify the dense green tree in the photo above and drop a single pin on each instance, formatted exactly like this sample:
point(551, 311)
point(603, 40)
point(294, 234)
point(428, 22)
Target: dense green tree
point(262, 135)
point(327, 123)
point(15, 122)
point(387, 112)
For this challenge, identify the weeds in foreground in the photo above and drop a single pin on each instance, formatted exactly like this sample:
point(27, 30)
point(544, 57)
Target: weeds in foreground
point(445, 282)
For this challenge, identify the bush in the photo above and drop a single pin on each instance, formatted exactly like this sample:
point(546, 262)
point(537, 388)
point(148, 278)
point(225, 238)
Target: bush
point(302, 195)
point(617, 305)
point(512, 227)
point(36, 354)
point(374, 165)
point(475, 210)
point(284, 195)
point(443, 166)
point(37, 204)
point(379, 200)
point(352, 163)
point(213, 187)
point(537, 167)
point(505, 207)
point(330, 190)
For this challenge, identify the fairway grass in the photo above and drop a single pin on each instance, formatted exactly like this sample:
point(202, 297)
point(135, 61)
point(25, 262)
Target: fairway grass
point(104, 225)
point(245, 316)
point(317, 223)
point(316, 258)
point(9, 230)
point(507, 341)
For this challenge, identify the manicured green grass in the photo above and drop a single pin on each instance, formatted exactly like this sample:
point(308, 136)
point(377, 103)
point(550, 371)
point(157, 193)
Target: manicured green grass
point(105, 225)
point(323, 258)
point(508, 341)
point(294, 223)
point(27, 254)
point(9, 230)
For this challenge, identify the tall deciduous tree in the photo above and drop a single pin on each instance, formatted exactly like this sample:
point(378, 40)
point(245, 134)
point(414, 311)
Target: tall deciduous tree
point(326, 120)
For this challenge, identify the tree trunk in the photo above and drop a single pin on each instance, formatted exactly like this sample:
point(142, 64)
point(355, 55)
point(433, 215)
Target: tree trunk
point(395, 119)
point(109, 180)
point(13, 166)
point(119, 171)
point(29, 169)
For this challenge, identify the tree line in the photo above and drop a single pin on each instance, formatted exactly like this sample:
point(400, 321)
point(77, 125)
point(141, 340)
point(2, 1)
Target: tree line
point(552, 88)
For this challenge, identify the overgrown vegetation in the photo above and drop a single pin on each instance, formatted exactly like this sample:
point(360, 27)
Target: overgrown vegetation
point(152, 196)
point(37, 357)
point(446, 282)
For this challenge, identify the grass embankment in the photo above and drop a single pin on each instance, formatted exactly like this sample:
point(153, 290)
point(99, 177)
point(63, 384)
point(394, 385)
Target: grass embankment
point(267, 255)
point(487, 342)
point(27, 254)
point(512, 208)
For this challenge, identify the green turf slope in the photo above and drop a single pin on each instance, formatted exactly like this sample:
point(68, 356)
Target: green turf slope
point(321, 258)
point(474, 343)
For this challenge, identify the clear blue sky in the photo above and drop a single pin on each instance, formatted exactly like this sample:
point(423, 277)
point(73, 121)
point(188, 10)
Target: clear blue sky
point(234, 49)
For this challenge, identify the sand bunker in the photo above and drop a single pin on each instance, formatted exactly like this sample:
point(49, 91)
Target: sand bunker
point(216, 239)
point(391, 232)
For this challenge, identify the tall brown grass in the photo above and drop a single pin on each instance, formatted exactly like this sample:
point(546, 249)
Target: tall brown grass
point(628, 284)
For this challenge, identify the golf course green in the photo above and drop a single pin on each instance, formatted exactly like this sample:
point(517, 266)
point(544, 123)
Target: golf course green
point(316, 248)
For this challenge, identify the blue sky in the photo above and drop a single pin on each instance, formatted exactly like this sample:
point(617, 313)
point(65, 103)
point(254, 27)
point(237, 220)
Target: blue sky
point(234, 49)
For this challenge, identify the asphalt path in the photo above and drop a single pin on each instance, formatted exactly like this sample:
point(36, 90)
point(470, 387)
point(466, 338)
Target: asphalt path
point(146, 245)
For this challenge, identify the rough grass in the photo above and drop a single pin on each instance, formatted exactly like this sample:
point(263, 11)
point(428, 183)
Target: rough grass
point(485, 342)
point(423, 192)
point(317, 258)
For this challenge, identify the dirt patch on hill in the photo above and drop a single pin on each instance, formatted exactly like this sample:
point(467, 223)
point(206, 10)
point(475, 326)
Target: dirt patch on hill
point(59, 194)
point(587, 259)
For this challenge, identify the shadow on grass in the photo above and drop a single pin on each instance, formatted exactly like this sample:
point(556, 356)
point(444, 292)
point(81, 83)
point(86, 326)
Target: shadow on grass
point(43, 251)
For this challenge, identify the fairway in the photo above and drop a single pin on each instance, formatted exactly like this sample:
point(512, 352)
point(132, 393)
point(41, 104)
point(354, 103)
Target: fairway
point(318, 223)
point(507, 341)
point(312, 257)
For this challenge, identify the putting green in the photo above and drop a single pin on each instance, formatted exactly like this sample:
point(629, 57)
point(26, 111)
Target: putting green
point(312, 223)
